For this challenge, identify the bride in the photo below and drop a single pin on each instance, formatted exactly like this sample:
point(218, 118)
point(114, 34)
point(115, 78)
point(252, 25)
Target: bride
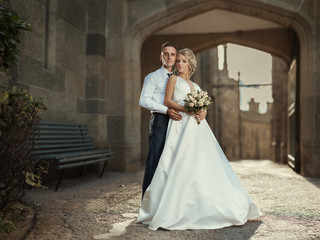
point(194, 186)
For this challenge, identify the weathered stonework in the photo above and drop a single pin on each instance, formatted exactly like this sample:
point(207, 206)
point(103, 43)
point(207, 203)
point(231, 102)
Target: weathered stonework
point(241, 134)
point(89, 57)
point(279, 110)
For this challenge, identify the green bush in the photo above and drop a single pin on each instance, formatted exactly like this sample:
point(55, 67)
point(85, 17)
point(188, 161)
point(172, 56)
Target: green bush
point(11, 27)
point(19, 117)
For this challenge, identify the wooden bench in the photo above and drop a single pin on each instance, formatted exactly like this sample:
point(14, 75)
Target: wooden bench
point(69, 145)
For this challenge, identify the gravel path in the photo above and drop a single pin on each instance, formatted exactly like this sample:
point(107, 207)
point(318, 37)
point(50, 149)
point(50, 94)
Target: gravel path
point(93, 208)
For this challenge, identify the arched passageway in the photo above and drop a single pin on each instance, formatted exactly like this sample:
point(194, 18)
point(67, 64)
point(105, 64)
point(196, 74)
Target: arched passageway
point(282, 41)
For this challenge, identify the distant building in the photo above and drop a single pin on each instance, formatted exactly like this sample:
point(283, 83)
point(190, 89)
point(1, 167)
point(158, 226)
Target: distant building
point(241, 134)
point(255, 132)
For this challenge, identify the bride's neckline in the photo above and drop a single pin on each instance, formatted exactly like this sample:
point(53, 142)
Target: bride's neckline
point(189, 82)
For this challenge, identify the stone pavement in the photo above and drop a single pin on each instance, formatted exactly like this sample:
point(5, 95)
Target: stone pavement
point(93, 208)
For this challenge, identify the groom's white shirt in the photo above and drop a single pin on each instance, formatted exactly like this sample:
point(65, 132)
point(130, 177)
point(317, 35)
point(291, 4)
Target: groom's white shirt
point(153, 91)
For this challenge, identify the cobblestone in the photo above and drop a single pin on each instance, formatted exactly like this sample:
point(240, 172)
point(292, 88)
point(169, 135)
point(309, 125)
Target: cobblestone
point(94, 208)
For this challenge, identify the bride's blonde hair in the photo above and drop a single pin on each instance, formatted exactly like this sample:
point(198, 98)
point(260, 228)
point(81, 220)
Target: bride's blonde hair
point(192, 61)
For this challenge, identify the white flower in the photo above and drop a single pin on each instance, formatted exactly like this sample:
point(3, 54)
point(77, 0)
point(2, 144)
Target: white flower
point(200, 104)
point(191, 104)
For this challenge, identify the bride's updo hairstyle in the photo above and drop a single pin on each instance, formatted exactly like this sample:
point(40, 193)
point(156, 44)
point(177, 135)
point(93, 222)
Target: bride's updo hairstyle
point(188, 53)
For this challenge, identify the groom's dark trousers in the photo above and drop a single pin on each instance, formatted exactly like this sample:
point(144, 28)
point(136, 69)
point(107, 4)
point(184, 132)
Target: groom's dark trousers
point(157, 136)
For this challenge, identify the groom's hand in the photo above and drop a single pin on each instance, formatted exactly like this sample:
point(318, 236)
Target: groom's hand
point(176, 116)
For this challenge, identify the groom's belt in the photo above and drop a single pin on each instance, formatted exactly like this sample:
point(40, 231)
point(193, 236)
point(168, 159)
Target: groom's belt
point(156, 113)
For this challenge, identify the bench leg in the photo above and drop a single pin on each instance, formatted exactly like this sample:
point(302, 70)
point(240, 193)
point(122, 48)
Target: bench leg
point(81, 171)
point(104, 167)
point(58, 184)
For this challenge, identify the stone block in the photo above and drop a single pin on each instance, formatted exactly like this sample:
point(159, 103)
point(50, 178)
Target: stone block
point(114, 87)
point(96, 66)
point(307, 117)
point(62, 116)
point(95, 87)
point(81, 105)
point(73, 13)
point(97, 14)
point(34, 13)
point(96, 44)
point(69, 103)
point(317, 124)
point(98, 130)
point(31, 72)
point(133, 88)
point(115, 128)
point(310, 158)
point(18, 85)
point(74, 117)
point(132, 132)
point(53, 100)
point(95, 106)
point(70, 48)
point(317, 82)
point(74, 84)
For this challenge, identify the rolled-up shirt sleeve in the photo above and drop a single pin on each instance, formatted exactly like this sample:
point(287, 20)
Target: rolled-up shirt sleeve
point(146, 98)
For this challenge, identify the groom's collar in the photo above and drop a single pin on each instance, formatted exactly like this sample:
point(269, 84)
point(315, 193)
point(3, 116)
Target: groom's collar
point(164, 70)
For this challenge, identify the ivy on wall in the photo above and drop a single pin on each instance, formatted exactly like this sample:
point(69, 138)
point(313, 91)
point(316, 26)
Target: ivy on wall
point(11, 27)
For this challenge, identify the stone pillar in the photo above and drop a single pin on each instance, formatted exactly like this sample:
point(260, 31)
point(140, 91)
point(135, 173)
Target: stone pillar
point(279, 111)
point(122, 87)
point(205, 76)
point(94, 103)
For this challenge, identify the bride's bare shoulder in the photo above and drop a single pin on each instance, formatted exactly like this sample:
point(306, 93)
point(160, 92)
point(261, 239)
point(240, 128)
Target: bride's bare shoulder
point(173, 78)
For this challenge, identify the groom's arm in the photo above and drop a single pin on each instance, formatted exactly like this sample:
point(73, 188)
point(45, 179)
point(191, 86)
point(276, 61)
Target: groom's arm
point(175, 115)
point(146, 97)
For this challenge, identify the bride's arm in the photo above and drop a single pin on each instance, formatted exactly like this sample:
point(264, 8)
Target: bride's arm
point(169, 94)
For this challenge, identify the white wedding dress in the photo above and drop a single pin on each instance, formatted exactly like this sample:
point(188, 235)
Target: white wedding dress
point(194, 186)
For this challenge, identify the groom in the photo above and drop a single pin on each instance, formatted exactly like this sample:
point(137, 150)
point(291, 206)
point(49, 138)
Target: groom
point(152, 97)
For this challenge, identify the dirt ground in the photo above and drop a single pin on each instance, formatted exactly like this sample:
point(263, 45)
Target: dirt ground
point(94, 208)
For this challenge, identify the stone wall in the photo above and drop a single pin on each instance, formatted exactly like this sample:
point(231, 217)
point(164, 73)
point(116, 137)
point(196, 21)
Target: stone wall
point(87, 59)
point(63, 61)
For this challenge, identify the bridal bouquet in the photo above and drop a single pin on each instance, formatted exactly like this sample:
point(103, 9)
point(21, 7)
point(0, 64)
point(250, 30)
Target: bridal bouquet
point(197, 100)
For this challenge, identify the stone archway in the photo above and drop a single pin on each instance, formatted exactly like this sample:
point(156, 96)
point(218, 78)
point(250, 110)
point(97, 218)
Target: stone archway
point(274, 11)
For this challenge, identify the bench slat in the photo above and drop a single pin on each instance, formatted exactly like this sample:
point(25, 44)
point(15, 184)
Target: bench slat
point(60, 141)
point(68, 160)
point(71, 165)
point(63, 132)
point(64, 150)
point(74, 154)
point(62, 137)
point(54, 146)
point(62, 124)
point(76, 127)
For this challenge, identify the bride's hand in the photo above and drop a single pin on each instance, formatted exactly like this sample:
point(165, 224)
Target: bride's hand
point(201, 114)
